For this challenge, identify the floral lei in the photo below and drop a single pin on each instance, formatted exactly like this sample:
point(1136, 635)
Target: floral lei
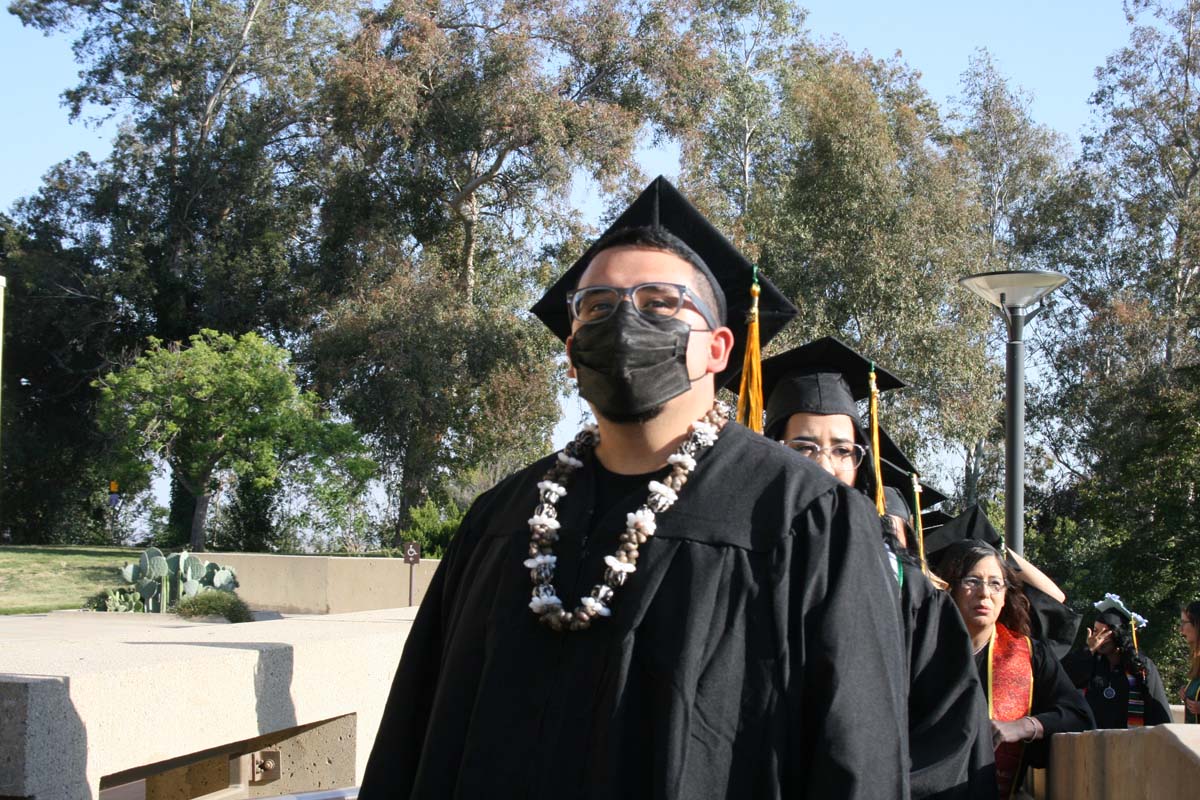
point(639, 525)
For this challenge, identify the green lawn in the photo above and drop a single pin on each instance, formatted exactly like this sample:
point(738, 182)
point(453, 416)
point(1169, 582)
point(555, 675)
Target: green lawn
point(38, 579)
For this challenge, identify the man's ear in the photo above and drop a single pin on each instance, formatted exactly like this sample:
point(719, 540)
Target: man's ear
point(570, 363)
point(720, 346)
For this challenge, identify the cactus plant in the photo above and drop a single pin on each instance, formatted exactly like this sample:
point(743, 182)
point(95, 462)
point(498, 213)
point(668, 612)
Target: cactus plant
point(160, 582)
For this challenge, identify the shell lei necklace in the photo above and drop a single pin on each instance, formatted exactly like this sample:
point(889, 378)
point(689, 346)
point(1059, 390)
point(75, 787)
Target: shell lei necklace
point(639, 525)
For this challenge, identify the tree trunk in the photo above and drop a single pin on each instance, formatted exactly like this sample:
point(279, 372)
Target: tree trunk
point(197, 543)
point(972, 473)
point(179, 518)
point(467, 276)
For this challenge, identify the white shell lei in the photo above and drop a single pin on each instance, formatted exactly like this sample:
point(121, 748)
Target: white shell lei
point(639, 525)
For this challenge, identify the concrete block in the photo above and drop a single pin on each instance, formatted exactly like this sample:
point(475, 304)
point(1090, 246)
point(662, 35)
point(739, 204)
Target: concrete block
point(90, 695)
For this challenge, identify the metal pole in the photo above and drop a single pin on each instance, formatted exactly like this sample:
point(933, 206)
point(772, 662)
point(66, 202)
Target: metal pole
point(1014, 434)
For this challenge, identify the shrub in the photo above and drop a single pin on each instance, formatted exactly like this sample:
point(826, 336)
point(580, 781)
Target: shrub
point(215, 604)
point(433, 526)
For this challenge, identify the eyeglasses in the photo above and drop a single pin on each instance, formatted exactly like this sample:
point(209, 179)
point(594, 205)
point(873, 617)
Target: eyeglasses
point(840, 455)
point(975, 585)
point(651, 300)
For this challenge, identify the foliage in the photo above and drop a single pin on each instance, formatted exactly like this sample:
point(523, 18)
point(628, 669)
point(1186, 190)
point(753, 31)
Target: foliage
point(737, 152)
point(199, 218)
point(62, 323)
point(865, 218)
point(247, 523)
point(432, 527)
point(117, 600)
point(222, 405)
point(459, 128)
point(438, 385)
point(215, 604)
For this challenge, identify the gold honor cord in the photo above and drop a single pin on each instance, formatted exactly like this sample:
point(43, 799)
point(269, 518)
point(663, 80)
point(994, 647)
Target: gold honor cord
point(919, 527)
point(880, 505)
point(750, 399)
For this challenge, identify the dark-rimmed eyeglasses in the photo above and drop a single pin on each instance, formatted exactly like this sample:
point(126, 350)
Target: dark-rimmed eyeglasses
point(975, 585)
point(843, 456)
point(651, 300)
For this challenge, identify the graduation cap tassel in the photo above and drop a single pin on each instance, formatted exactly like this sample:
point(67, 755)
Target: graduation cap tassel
point(750, 393)
point(880, 503)
point(920, 528)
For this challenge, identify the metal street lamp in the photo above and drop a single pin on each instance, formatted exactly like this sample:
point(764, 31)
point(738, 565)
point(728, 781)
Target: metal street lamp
point(1013, 293)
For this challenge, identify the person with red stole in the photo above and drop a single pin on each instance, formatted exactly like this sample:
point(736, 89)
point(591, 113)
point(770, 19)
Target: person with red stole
point(1029, 695)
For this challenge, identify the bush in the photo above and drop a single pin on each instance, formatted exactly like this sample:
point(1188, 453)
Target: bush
point(433, 526)
point(215, 604)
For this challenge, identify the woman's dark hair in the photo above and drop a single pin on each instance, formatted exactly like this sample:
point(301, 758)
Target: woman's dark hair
point(961, 557)
point(1192, 612)
point(1131, 659)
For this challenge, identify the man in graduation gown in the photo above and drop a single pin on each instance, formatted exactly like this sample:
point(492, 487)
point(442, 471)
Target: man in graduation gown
point(812, 393)
point(752, 651)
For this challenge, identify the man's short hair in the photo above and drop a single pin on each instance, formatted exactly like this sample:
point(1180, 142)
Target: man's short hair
point(650, 237)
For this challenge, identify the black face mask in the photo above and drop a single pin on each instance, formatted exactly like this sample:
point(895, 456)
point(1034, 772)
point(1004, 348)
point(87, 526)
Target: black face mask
point(628, 366)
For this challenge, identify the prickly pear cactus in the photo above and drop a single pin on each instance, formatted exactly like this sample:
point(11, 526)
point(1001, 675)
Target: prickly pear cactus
point(159, 582)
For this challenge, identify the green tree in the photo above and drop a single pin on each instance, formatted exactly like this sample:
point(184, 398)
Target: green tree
point(734, 159)
point(1014, 165)
point(462, 123)
point(439, 386)
point(460, 127)
point(222, 405)
point(202, 214)
point(868, 218)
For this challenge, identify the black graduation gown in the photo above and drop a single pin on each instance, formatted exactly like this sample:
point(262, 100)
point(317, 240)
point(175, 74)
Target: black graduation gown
point(1056, 703)
point(1051, 621)
point(754, 652)
point(1092, 674)
point(950, 737)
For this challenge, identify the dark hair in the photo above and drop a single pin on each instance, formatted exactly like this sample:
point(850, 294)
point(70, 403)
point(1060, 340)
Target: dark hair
point(1131, 659)
point(1192, 611)
point(960, 557)
point(651, 237)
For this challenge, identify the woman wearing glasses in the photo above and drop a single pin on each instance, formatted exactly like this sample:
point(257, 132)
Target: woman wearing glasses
point(1029, 696)
point(811, 395)
point(1189, 629)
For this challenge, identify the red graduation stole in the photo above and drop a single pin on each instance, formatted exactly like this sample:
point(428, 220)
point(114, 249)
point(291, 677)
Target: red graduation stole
point(1010, 697)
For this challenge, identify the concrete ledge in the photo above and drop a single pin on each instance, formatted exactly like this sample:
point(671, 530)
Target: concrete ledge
point(85, 695)
point(1162, 762)
point(326, 584)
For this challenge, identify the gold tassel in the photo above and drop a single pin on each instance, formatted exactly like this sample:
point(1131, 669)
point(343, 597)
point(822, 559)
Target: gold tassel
point(750, 399)
point(880, 504)
point(919, 527)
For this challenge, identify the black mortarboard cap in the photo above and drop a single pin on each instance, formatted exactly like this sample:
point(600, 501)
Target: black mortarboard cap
point(895, 475)
point(898, 470)
point(970, 524)
point(824, 376)
point(661, 205)
point(896, 504)
point(934, 518)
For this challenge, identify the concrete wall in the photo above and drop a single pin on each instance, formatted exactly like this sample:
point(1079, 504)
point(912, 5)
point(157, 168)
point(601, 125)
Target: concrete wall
point(88, 695)
point(1162, 763)
point(325, 584)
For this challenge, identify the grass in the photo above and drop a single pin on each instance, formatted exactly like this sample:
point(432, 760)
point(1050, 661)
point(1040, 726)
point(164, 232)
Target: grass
point(34, 580)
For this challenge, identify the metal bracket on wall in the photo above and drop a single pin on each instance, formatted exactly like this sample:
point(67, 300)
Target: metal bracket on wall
point(264, 767)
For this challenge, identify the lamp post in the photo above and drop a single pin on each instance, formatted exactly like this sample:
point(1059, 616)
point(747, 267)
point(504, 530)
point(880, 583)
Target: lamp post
point(1013, 293)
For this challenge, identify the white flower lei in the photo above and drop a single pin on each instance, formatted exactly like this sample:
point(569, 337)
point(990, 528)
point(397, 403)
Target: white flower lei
point(639, 525)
